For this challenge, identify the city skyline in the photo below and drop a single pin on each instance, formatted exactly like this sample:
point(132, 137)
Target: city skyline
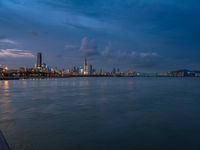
point(147, 36)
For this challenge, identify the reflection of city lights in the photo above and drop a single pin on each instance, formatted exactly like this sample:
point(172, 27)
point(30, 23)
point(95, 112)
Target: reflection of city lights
point(6, 98)
point(5, 85)
point(130, 85)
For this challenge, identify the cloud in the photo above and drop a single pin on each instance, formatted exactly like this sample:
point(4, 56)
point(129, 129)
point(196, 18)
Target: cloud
point(129, 58)
point(15, 53)
point(108, 50)
point(89, 47)
point(7, 41)
point(153, 54)
point(144, 59)
point(112, 56)
point(169, 27)
point(53, 14)
point(139, 59)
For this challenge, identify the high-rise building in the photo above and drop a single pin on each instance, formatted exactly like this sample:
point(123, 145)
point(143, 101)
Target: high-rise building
point(39, 60)
point(114, 71)
point(85, 68)
point(91, 70)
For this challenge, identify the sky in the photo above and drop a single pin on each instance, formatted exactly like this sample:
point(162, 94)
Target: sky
point(141, 35)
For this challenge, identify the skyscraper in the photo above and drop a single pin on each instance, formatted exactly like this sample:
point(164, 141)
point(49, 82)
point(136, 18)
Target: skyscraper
point(85, 68)
point(91, 70)
point(114, 71)
point(39, 60)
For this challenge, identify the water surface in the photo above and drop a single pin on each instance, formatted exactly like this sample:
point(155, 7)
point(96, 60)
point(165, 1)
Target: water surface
point(101, 113)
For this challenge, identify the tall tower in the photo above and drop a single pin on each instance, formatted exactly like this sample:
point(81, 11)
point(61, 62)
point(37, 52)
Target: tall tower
point(39, 60)
point(85, 68)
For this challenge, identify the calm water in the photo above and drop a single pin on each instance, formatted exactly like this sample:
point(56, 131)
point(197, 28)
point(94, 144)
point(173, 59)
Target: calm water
point(101, 114)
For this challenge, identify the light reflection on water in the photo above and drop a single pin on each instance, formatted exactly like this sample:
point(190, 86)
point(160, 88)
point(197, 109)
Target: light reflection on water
point(101, 113)
point(5, 86)
point(5, 101)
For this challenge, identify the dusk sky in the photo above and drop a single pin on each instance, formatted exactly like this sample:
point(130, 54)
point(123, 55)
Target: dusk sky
point(143, 35)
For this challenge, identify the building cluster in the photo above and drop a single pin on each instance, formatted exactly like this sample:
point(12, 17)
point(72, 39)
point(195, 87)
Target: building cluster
point(86, 70)
point(181, 73)
point(42, 70)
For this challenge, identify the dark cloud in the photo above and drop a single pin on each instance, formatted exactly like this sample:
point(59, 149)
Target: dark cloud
point(136, 29)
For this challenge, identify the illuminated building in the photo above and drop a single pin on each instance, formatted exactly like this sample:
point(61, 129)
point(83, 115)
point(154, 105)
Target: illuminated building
point(85, 68)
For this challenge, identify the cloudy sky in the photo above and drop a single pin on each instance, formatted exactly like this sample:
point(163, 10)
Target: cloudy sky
point(143, 35)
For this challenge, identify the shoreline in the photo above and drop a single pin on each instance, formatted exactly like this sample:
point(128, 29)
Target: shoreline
point(93, 76)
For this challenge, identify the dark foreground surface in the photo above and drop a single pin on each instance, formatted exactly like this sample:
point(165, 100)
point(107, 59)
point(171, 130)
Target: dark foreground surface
point(3, 143)
point(101, 113)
